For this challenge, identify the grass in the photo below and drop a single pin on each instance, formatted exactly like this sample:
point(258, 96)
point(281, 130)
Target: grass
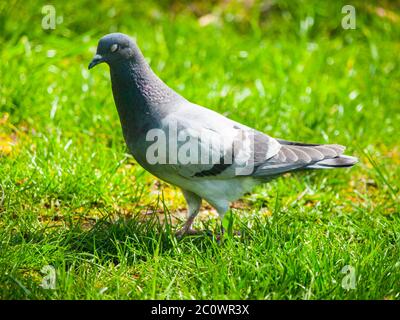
point(75, 200)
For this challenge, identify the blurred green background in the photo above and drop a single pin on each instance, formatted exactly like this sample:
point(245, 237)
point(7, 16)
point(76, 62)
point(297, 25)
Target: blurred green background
point(73, 199)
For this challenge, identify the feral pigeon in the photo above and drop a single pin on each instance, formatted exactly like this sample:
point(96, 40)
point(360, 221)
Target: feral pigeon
point(205, 154)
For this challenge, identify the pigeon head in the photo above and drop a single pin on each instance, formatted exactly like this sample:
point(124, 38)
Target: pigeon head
point(114, 47)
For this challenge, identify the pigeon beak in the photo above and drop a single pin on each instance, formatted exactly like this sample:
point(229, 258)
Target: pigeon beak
point(95, 61)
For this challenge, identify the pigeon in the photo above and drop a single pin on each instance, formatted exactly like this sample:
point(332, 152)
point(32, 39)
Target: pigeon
point(207, 155)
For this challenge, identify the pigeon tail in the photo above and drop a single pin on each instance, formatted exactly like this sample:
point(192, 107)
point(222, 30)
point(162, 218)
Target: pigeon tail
point(299, 156)
point(343, 161)
point(316, 156)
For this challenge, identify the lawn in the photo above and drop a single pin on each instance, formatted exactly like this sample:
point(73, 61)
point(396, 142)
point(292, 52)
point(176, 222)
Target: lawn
point(79, 219)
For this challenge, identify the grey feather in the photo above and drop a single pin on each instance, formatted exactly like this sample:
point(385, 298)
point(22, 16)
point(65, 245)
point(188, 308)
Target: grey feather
point(298, 156)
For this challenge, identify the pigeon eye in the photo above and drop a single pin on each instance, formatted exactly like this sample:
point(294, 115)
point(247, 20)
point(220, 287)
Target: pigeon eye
point(114, 47)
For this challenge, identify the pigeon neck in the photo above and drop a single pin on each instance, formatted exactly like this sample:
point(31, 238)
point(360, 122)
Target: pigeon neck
point(142, 99)
point(139, 82)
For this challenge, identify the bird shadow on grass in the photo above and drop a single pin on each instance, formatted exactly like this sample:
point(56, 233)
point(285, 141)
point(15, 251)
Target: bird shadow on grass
point(133, 239)
point(141, 237)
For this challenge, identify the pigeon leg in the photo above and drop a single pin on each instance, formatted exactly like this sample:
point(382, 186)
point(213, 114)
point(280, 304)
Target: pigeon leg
point(194, 202)
point(222, 209)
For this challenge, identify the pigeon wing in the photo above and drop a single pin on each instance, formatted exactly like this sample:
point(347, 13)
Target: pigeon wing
point(209, 145)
